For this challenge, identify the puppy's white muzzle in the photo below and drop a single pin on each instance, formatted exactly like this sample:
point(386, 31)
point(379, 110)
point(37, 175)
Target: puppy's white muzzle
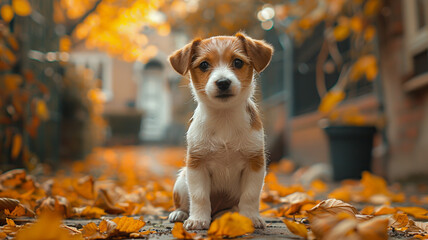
point(222, 84)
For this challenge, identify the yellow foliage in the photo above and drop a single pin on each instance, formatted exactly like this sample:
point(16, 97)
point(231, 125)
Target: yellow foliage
point(365, 65)
point(331, 100)
point(12, 81)
point(6, 13)
point(356, 24)
point(305, 23)
point(372, 7)
point(369, 33)
point(118, 30)
point(21, 7)
point(42, 110)
point(16, 145)
point(231, 225)
point(65, 44)
point(341, 32)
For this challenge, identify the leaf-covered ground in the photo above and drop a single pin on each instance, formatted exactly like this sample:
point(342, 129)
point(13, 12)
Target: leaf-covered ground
point(123, 193)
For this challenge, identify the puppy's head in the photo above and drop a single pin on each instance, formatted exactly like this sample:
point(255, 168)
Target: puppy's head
point(222, 68)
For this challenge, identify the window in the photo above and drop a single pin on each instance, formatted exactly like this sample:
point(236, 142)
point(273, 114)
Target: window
point(101, 65)
point(416, 36)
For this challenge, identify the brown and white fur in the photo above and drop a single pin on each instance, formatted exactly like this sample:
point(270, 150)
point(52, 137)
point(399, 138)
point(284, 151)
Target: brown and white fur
point(225, 164)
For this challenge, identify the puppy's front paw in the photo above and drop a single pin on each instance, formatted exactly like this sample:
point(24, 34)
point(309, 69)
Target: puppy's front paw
point(178, 216)
point(258, 222)
point(197, 224)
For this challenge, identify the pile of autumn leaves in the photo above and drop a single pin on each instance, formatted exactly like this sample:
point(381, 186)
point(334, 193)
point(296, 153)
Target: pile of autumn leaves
point(110, 183)
point(114, 186)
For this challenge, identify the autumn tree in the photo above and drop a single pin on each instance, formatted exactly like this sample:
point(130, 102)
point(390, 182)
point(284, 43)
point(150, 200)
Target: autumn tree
point(115, 26)
point(350, 20)
point(218, 17)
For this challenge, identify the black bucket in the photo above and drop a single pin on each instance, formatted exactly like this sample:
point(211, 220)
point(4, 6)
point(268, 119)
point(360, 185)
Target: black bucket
point(350, 150)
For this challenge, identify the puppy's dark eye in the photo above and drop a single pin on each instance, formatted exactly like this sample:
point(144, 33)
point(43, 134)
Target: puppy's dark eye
point(238, 63)
point(204, 66)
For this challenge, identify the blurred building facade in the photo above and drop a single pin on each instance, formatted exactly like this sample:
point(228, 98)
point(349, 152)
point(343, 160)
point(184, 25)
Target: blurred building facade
point(399, 95)
point(139, 106)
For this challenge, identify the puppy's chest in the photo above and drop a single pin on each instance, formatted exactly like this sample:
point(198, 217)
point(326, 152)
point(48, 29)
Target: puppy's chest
point(225, 168)
point(224, 136)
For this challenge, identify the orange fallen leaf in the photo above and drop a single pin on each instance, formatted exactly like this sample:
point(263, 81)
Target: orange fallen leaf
point(11, 228)
point(384, 210)
point(374, 229)
point(105, 202)
point(106, 229)
point(332, 207)
point(107, 226)
point(57, 204)
point(179, 232)
point(368, 210)
point(10, 222)
point(46, 227)
point(91, 231)
point(142, 234)
point(296, 201)
point(417, 212)
point(342, 193)
point(85, 187)
point(319, 186)
point(322, 224)
point(296, 228)
point(231, 225)
point(344, 229)
point(19, 211)
point(128, 224)
point(399, 220)
point(3, 235)
point(422, 225)
point(89, 212)
point(8, 203)
point(13, 178)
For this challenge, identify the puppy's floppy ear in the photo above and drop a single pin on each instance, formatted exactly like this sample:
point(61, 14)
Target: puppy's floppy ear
point(181, 59)
point(259, 51)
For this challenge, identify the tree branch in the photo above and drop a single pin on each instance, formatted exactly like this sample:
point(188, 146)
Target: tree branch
point(319, 71)
point(71, 28)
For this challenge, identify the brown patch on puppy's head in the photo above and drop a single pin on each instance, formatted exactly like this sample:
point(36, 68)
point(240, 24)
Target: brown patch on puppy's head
point(180, 60)
point(221, 68)
point(259, 51)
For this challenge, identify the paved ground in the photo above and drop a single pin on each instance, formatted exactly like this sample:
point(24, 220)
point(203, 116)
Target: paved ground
point(276, 229)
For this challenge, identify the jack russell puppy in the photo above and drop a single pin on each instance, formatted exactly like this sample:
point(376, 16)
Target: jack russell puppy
point(225, 163)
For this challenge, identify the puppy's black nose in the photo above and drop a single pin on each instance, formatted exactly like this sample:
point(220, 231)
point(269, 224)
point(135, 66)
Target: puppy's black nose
point(223, 84)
